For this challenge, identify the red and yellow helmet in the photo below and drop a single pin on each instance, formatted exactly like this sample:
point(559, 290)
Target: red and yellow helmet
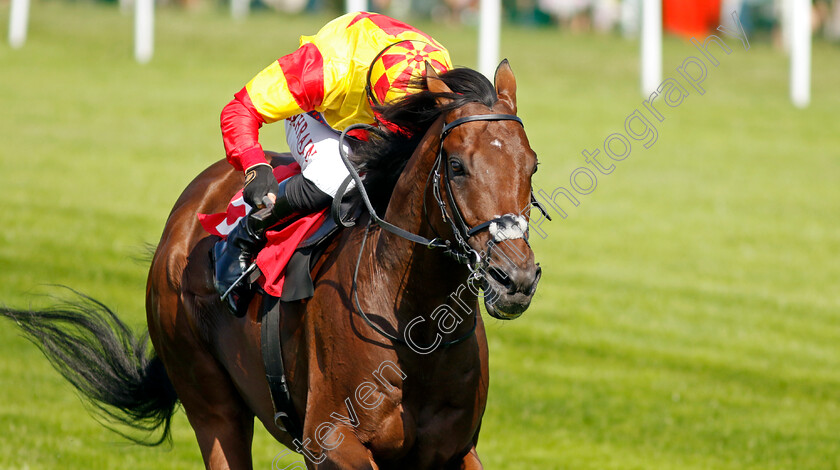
point(392, 70)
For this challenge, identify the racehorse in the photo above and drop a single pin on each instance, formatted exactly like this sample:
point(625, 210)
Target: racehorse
point(387, 363)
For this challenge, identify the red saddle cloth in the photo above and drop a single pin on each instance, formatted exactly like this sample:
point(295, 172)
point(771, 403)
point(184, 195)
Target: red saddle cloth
point(280, 244)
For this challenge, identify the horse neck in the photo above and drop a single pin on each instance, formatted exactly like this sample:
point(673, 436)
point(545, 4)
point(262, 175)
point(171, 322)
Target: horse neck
point(405, 208)
point(421, 278)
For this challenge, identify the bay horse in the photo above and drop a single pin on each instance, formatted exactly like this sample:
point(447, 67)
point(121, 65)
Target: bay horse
point(404, 389)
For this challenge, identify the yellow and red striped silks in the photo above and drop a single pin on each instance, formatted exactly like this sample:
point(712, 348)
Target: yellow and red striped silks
point(328, 73)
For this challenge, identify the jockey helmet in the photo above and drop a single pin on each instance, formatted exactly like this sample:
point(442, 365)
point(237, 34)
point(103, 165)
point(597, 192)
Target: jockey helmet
point(391, 72)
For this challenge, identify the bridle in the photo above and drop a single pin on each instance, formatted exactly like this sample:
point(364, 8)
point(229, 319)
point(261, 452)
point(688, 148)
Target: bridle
point(461, 252)
point(461, 231)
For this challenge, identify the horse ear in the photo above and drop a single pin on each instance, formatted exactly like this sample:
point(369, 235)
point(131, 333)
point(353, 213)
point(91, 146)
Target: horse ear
point(506, 84)
point(436, 85)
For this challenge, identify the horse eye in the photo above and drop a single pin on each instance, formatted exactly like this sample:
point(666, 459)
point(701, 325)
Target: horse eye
point(457, 167)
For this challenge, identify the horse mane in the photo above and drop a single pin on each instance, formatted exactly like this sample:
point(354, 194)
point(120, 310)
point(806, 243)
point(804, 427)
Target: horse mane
point(384, 155)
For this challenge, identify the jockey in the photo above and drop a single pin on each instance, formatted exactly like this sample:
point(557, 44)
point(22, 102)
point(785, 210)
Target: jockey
point(334, 79)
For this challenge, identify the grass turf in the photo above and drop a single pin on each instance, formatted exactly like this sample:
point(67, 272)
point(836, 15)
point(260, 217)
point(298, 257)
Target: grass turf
point(689, 314)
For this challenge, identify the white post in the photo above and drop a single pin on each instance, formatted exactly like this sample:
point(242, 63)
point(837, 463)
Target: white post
point(651, 46)
point(144, 30)
point(355, 5)
point(489, 33)
point(239, 9)
point(18, 21)
point(800, 53)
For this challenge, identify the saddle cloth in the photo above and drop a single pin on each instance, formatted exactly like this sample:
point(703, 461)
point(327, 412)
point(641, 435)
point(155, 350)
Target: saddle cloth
point(280, 244)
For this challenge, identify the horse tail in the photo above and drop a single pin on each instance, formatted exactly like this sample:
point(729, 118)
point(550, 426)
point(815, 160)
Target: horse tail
point(106, 362)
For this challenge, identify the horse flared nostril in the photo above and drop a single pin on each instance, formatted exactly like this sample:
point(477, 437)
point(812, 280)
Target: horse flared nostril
point(508, 293)
point(503, 279)
point(535, 280)
point(517, 280)
point(523, 280)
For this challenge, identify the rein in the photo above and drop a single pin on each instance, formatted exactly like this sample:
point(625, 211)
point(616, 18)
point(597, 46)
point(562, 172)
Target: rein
point(463, 253)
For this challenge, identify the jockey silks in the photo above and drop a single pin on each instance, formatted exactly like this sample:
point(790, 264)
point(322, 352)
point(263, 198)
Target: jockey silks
point(328, 73)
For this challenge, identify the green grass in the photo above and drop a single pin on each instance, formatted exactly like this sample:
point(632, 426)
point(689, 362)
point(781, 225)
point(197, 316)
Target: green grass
point(689, 313)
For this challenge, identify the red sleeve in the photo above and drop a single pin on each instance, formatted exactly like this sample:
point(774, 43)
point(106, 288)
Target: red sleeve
point(240, 132)
point(304, 74)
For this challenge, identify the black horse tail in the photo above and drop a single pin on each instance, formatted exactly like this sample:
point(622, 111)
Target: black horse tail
point(106, 362)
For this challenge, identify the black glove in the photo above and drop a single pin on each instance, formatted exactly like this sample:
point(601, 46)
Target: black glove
point(259, 182)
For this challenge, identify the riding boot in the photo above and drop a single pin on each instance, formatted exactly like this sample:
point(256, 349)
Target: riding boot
point(234, 256)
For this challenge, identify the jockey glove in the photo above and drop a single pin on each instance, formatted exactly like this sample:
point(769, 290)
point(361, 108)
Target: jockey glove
point(259, 182)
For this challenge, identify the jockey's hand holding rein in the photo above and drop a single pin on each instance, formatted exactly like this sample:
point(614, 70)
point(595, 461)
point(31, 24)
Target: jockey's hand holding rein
point(259, 183)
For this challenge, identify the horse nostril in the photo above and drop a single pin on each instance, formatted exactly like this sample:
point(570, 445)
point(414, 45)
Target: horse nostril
point(537, 276)
point(499, 276)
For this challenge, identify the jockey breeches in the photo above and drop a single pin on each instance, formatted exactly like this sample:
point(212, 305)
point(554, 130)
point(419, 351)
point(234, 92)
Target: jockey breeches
point(314, 145)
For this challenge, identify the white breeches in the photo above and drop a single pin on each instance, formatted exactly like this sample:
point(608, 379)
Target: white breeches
point(314, 145)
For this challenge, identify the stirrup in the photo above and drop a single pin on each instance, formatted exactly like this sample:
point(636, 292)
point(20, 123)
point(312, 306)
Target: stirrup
point(232, 282)
point(234, 302)
point(238, 280)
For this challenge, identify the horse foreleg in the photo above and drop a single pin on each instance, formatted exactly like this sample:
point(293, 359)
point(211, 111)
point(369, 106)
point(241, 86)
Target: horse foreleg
point(350, 454)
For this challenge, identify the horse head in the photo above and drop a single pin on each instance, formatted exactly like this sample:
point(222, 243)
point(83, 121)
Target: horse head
point(484, 187)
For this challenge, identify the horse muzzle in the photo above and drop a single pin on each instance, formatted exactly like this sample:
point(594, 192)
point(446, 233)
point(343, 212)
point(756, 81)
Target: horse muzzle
point(508, 292)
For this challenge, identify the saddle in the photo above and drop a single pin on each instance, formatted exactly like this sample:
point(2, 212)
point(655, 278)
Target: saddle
point(298, 282)
point(282, 267)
